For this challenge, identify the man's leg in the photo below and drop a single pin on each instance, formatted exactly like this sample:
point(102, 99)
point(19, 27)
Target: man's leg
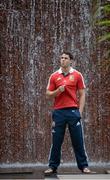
point(75, 130)
point(58, 131)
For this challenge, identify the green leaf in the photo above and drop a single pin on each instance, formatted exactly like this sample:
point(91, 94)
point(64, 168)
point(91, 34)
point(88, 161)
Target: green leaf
point(106, 8)
point(104, 23)
point(104, 37)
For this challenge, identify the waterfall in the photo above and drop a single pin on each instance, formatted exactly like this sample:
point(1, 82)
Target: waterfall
point(34, 33)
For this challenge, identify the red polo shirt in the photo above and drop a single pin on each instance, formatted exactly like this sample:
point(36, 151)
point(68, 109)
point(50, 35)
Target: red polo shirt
point(73, 81)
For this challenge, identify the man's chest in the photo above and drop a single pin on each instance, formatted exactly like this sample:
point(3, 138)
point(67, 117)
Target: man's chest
point(68, 80)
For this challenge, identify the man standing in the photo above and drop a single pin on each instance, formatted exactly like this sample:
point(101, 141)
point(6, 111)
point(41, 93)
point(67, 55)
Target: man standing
point(63, 86)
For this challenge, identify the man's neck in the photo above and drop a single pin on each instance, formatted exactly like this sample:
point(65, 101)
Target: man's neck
point(65, 70)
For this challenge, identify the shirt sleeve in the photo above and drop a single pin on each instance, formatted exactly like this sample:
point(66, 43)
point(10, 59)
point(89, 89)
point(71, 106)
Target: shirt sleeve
point(51, 84)
point(81, 83)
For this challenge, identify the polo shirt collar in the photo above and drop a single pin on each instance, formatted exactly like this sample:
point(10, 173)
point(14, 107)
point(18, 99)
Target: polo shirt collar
point(70, 71)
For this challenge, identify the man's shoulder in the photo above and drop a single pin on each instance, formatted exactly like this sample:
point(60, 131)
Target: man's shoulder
point(54, 74)
point(76, 72)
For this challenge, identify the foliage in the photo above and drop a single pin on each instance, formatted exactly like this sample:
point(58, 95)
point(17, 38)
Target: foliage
point(101, 19)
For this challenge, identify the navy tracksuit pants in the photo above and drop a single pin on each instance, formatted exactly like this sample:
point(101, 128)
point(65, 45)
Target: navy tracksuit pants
point(61, 118)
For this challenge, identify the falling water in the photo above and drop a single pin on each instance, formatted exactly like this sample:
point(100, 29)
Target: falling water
point(34, 33)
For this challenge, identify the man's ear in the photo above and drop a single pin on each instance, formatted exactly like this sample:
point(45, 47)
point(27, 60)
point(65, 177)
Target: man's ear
point(73, 63)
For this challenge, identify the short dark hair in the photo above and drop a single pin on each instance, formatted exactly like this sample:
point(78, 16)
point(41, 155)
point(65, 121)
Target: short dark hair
point(68, 53)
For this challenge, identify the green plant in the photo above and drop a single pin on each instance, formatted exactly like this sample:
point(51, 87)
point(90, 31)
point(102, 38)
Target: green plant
point(104, 22)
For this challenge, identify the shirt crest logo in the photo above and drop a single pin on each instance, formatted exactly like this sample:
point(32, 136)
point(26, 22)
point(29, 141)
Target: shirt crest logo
point(71, 78)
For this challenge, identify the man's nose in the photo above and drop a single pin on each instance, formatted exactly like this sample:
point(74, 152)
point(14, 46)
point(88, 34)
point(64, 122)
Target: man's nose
point(63, 59)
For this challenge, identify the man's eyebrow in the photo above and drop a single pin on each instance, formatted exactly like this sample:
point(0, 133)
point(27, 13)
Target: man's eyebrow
point(64, 56)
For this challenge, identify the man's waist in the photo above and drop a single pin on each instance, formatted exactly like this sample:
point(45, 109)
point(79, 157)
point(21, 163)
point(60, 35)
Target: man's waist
point(72, 108)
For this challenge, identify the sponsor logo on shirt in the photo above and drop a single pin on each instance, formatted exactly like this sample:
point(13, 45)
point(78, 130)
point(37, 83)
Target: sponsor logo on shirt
point(59, 78)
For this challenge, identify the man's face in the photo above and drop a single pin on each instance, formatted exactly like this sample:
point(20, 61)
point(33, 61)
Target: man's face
point(65, 60)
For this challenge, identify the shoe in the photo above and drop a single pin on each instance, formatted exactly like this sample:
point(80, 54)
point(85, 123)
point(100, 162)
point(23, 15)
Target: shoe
point(50, 172)
point(86, 171)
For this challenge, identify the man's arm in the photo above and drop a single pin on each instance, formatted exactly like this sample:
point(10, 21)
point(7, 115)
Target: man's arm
point(81, 100)
point(53, 94)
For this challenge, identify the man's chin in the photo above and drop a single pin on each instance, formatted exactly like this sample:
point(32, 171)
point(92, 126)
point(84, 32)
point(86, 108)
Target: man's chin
point(64, 66)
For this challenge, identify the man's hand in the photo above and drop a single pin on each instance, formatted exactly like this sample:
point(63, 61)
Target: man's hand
point(52, 94)
point(62, 88)
point(80, 112)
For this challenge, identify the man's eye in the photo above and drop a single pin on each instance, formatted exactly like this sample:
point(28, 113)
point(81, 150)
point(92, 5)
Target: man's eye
point(63, 58)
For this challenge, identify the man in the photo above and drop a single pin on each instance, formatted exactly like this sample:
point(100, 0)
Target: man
point(63, 86)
